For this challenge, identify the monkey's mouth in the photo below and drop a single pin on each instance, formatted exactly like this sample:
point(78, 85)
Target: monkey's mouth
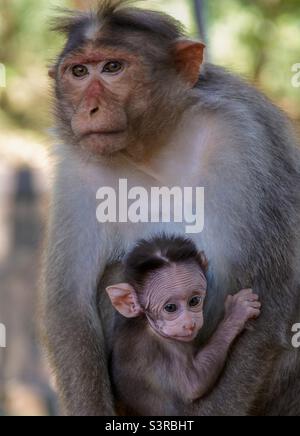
point(104, 142)
point(99, 133)
point(186, 338)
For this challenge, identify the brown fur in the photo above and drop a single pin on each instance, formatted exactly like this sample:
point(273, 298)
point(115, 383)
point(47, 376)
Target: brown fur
point(245, 157)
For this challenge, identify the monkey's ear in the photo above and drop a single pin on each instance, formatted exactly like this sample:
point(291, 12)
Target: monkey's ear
point(124, 300)
point(52, 72)
point(188, 59)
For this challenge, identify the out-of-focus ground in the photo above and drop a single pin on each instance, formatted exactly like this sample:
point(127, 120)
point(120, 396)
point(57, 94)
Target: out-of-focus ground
point(259, 39)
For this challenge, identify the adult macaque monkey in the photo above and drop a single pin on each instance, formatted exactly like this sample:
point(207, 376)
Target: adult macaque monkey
point(133, 102)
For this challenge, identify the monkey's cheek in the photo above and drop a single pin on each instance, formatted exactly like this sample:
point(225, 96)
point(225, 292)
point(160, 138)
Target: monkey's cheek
point(104, 144)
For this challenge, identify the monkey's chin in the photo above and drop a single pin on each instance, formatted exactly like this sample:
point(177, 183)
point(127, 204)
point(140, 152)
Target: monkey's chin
point(104, 144)
point(189, 338)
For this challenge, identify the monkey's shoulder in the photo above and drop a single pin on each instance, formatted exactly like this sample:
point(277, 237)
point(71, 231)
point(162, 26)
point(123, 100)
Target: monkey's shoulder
point(219, 82)
point(220, 89)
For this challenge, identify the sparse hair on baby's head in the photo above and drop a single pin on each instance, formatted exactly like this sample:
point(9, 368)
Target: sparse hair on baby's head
point(160, 252)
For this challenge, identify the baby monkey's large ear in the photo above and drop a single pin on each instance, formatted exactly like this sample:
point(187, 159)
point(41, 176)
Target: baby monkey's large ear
point(124, 300)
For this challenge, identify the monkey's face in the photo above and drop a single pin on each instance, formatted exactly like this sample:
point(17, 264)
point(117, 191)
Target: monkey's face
point(118, 87)
point(101, 93)
point(176, 300)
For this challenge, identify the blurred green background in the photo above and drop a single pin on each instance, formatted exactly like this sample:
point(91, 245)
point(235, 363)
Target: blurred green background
point(259, 39)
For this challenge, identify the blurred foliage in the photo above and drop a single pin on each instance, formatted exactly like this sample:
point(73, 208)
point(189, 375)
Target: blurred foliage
point(258, 38)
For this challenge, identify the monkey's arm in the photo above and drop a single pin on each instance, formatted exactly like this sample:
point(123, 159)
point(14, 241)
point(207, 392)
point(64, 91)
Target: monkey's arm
point(76, 257)
point(248, 367)
point(209, 363)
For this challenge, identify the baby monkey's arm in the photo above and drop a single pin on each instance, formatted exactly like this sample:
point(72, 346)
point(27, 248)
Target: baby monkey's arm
point(209, 362)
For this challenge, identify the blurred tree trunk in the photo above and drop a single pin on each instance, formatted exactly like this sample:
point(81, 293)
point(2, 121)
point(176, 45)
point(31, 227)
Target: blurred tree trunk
point(200, 17)
point(8, 29)
point(23, 379)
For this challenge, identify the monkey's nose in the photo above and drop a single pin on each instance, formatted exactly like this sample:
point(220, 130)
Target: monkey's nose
point(94, 111)
point(190, 327)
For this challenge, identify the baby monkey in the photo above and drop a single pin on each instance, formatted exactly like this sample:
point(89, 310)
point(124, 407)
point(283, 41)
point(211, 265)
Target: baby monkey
point(157, 367)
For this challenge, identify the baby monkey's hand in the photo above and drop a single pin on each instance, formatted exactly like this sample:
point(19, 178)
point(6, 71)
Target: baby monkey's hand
point(242, 307)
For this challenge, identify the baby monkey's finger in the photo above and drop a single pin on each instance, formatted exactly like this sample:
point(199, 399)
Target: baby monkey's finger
point(245, 293)
point(252, 297)
point(254, 313)
point(255, 304)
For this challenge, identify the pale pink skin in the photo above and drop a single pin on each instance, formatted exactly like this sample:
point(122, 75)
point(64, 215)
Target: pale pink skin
point(178, 284)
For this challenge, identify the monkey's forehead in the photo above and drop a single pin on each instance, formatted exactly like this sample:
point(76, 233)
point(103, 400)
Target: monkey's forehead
point(117, 28)
point(178, 280)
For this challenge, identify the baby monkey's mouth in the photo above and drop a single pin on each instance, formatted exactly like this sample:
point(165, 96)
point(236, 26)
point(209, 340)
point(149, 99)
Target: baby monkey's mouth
point(185, 338)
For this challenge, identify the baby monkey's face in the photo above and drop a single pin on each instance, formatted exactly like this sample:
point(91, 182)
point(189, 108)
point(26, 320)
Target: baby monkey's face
point(174, 301)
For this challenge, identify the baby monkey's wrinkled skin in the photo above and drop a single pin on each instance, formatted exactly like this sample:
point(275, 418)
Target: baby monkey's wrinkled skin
point(156, 364)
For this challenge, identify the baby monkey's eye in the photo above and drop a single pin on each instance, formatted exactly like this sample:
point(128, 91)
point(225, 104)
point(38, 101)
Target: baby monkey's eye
point(170, 308)
point(195, 301)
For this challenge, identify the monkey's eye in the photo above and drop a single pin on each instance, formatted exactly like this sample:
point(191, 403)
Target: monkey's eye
point(112, 67)
point(195, 301)
point(80, 71)
point(170, 308)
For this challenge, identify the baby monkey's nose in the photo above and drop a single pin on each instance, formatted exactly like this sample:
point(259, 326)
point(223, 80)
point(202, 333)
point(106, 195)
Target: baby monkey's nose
point(189, 326)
